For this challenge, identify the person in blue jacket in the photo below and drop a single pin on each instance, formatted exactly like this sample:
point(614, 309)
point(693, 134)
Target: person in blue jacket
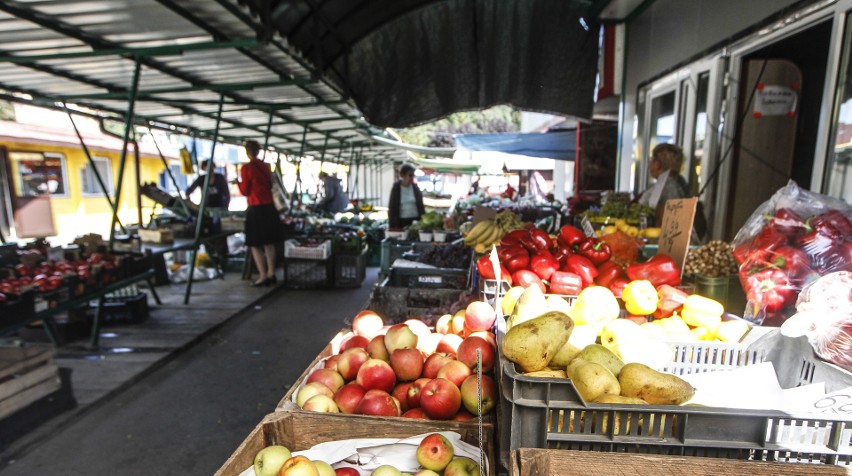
point(334, 199)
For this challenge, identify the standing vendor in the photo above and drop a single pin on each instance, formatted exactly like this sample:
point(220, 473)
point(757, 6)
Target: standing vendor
point(334, 199)
point(406, 201)
point(218, 195)
point(665, 165)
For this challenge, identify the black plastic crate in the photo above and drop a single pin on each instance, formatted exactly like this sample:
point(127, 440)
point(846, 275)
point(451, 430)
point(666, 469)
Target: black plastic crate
point(17, 309)
point(350, 270)
point(8, 255)
point(122, 308)
point(443, 278)
point(308, 273)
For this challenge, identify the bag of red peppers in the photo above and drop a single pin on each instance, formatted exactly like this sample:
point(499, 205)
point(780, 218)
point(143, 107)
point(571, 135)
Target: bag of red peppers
point(789, 241)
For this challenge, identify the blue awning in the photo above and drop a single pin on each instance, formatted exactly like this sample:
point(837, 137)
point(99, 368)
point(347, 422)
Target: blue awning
point(559, 145)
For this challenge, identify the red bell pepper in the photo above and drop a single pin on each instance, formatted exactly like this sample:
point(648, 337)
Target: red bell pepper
point(526, 278)
point(795, 262)
point(844, 253)
point(607, 272)
point(836, 219)
point(770, 289)
point(596, 250)
point(670, 300)
point(519, 261)
point(540, 239)
point(617, 286)
point(759, 247)
point(544, 265)
point(787, 222)
point(565, 283)
point(582, 266)
point(507, 252)
point(820, 245)
point(570, 236)
point(660, 269)
point(486, 270)
point(561, 254)
point(514, 237)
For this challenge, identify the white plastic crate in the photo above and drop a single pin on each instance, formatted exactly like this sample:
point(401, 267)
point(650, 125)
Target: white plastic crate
point(292, 249)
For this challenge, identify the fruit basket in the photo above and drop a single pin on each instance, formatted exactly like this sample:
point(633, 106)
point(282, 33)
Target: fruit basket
point(302, 430)
point(549, 413)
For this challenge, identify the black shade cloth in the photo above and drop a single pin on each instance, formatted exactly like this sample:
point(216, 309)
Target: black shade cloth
point(407, 62)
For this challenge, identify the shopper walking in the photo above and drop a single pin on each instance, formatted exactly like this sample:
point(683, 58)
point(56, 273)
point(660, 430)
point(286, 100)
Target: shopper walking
point(406, 201)
point(263, 225)
point(664, 167)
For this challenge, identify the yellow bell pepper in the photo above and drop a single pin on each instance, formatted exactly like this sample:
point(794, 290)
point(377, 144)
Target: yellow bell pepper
point(700, 311)
point(595, 304)
point(640, 297)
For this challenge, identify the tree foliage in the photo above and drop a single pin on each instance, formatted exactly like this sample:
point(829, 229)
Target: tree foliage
point(440, 133)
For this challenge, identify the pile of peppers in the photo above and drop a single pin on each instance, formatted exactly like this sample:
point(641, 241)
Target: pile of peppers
point(790, 251)
point(569, 262)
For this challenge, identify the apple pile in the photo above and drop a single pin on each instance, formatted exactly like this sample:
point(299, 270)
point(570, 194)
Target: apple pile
point(409, 370)
point(435, 454)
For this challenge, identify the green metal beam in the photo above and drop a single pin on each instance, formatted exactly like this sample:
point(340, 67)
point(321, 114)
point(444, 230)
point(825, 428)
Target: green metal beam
point(128, 127)
point(166, 50)
point(188, 89)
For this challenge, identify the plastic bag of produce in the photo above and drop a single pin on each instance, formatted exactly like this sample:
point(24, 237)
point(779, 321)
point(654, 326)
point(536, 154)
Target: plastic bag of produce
point(791, 239)
point(824, 315)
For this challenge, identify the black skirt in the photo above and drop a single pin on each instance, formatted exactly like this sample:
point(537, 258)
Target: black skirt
point(263, 225)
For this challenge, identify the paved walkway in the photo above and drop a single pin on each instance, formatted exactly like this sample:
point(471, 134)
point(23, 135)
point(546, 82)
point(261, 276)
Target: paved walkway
point(178, 393)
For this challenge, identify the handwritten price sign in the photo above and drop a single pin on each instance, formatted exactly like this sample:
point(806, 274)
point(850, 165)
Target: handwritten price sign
point(837, 402)
point(677, 228)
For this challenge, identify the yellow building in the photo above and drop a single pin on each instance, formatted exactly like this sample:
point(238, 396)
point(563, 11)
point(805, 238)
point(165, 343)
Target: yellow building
point(38, 161)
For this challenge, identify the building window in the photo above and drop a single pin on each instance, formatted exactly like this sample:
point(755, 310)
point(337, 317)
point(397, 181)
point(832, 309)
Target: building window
point(166, 182)
point(90, 181)
point(38, 173)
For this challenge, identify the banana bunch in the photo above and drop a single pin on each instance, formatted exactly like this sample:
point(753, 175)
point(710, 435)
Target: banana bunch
point(508, 221)
point(483, 235)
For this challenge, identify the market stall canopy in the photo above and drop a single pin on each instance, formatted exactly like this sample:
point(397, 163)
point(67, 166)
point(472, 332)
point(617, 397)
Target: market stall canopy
point(406, 62)
point(448, 166)
point(558, 145)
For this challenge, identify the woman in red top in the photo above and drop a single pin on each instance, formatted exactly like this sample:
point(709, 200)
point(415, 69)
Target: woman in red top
point(263, 225)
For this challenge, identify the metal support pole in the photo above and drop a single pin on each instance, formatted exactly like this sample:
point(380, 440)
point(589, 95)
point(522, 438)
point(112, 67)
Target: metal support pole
point(128, 127)
point(297, 187)
point(199, 222)
point(169, 173)
point(322, 161)
point(92, 163)
point(138, 183)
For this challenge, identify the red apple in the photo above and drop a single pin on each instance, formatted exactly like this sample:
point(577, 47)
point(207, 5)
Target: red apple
point(455, 371)
point(347, 471)
point(434, 363)
point(449, 343)
point(400, 336)
point(435, 452)
point(637, 319)
point(407, 364)
point(354, 341)
point(416, 413)
point(367, 323)
point(376, 374)
point(348, 397)
point(488, 336)
point(440, 399)
point(443, 324)
point(377, 350)
point(457, 324)
point(350, 362)
point(479, 316)
point(467, 353)
point(463, 415)
point(469, 393)
point(298, 466)
point(331, 362)
point(400, 393)
point(329, 378)
point(461, 466)
point(414, 390)
point(428, 343)
point(378, 403)
point(417, 326)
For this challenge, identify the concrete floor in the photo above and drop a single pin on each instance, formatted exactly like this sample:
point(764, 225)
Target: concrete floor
point(199, 381)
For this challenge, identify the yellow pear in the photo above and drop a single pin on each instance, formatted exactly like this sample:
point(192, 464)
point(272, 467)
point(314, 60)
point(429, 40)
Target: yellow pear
point(581, 336)
point(533, 343)
point(656, 388)
point(558, 303)
point(531, 304)
point(510, 299)
point(592, 380)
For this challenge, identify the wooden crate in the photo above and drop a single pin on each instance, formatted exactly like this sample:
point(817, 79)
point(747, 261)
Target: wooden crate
point(541, 462)
point(26, 374)
point(301, 430)
point(356, 423)
point(153, 235)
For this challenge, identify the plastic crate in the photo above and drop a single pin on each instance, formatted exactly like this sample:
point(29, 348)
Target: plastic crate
point(292, 249)
point(417, 277)
point(392, 250)
point(350, 270)
point(396, 304)
point(308, 273)
point(122, 308)
point(548, 413)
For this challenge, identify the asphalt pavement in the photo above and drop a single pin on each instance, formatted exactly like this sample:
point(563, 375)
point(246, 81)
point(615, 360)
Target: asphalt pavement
point(188, 416)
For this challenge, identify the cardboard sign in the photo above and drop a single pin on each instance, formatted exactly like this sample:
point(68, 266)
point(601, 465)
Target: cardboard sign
point(483, 213)
point(677, 229)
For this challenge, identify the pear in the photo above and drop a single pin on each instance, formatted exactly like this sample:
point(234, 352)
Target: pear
point(606, 398)
point(591, 379)
point(533, 343)
point(620, 331)
point(558, 303)
point(601, 355)
point(656, 388)
point(510, 300)
point(531, 304)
